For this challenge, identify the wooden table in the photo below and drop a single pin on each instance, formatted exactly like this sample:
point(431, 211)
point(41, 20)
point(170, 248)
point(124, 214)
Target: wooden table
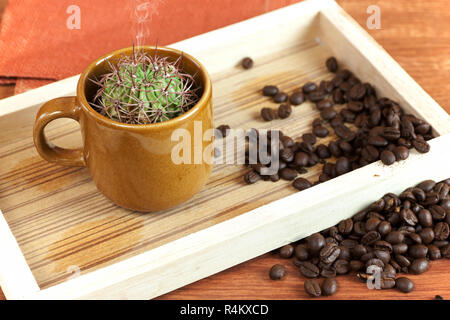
point(417, 34)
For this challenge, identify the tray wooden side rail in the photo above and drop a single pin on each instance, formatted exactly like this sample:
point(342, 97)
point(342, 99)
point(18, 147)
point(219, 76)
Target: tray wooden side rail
point(55, 222)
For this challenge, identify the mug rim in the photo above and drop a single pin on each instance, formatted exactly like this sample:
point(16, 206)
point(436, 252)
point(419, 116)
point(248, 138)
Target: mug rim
point(201, 103)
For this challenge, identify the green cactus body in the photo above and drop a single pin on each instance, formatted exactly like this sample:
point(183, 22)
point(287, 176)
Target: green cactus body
point(142, 89)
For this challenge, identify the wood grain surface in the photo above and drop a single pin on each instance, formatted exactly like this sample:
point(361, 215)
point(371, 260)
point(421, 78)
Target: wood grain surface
point(409, 33)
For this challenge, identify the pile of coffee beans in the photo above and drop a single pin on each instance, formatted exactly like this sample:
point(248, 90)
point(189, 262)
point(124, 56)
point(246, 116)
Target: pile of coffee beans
point(368, 128)
point(394, 235)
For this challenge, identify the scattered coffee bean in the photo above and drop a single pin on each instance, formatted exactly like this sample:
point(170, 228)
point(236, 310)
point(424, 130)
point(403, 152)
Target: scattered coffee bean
point(280, 97)
point(297, 98)
point(268, 114)
point(284, 111)
point(301, 184)
point(247, 63)
point(288, 174)
point(387, 157)
point(277, 272)
point(309, 270)
point(252, 177)
point(312, 288)
point(286, 251)
point(329, 286)
point(270, 91)
point(332, 64)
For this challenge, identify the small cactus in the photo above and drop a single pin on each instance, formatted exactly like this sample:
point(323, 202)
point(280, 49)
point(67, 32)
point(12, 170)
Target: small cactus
point(143, 89)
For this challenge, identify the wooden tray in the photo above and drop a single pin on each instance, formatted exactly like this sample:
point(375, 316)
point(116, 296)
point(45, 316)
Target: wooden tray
point(60, 238)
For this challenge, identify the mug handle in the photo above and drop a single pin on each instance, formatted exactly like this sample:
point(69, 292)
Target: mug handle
point(64, 107)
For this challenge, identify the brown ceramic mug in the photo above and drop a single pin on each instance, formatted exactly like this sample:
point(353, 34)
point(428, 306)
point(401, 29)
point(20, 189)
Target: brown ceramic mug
point(131, 164)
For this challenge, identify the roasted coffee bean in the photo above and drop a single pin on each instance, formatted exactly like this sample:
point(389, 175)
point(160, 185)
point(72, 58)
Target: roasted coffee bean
point(375, 262)
point(287, 155)
point(331, 64)
point(309, 270)
point(370, 238)
point(421, 145)
point(284, 111)
point(408, 216)
point(404, 284)
point(326, 86)
point(309, 138)
point(270, 91)
point(274, 177)
point(440, 243)
point(427, 235)
point(316, 96)
point(287, 174)
point(286, 251)
point(345, 133)
point(419, 266)
point(301, 252)
point(345, 252)
point(384, 228)
point(252, 177)
point(345, 86)
point(324, 104)
point(445, 251)
point(297, 98)
point(247, 63)
point(388, 271)
point(434, 253)
point(301, 159)
point(301, 184)
point(329, 286)
point(345, 226)
point(342, 166)
point(277, 272)
point(315, 243)
point(372, 223)
point(370, 153)
point(329, 253)
point(322, 151)
point(377, 141)
point(383, 245)
point(401, 153)
point(427, 185)
point(418, 251)
point(395, 237)
point(441, 231)
point(356, 107)
point(387, 283)
point(338, 95)
point(391, 133)
point(400, 248)
point(437, 212)
point(356, 265)
point(268, 114)
point(387, 157)
point(438, 297)
point(402, 260)
point(320, 131)
point(334, 149)
point(357, 92)
point(280, 97)
point(431, 198)
point(328, 113)
point(414, 236)
point(312, 288)
point(309, 87)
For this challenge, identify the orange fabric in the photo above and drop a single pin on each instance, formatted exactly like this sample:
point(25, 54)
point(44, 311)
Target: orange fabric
point(36, 43)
